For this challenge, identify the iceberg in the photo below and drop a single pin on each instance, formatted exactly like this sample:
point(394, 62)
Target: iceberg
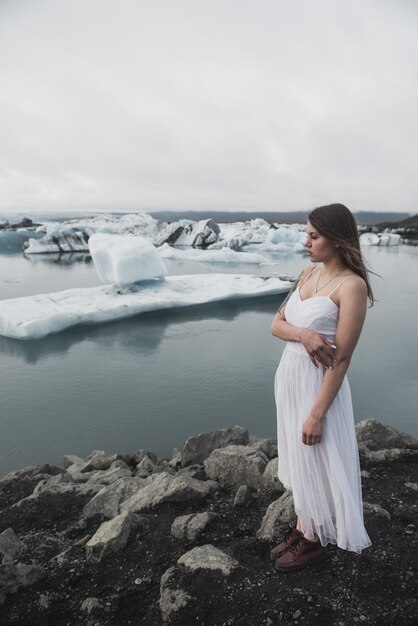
point(369, 239)
point(125, 259)
point(389, 239)
point(187, 233)
point(67, 240)
point(260, 234)
point(34, 317)
point(380, 239)
point(222, 255)
point(73, 235)
point(238, 234)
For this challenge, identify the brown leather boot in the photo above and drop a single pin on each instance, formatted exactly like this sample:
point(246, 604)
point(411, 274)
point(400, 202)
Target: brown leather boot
point(291, 537)
point(302, 554)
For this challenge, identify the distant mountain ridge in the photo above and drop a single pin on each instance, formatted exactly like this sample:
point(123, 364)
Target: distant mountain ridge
point(289, 217)
point(409, 222)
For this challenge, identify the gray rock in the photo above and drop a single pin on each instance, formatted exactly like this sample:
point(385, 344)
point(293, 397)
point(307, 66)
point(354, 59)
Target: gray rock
point(197, 448)
point(279, 513)
point(32, 471)
point(235, 465)
point(44, 601)
point(145, 467)
point(111, 536)
point(10, 545)
point(116, 471)
point(195, 471)
point(243, 494)
point(60, 484)
point(97, 460)
point(392, 454)
point(143, 453)
point(175, 460)
point(191, 526)
point(413, 486)
point(167, 488)
point(74, 470)
point(267, 446)
point(375, 509)
point(364, 451)
point(13, 577)
point(270, 477)
point(208, 557)
point(172, 599)
point(106, 502)
point(164, 466)
point(89, 604)
point(71, 459)
point(378, 436)
point(96, 453)
point(55, 484)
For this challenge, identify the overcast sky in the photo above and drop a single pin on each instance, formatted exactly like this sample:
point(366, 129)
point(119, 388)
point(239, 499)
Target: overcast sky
point(208, 104)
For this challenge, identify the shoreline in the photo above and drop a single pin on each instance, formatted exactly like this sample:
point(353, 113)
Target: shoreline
point(134, 538)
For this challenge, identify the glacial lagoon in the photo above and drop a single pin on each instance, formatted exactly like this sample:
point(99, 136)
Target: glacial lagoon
point(155, 379)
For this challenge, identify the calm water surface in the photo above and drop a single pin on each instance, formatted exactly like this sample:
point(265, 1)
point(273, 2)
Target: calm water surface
point(153, 380)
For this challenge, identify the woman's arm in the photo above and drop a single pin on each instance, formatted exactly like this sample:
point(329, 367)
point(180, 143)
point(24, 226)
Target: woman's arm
point(353, 307)
point(320, 350)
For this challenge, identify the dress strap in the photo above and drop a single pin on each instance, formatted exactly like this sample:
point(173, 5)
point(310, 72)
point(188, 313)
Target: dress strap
point(340, 283)
point(308, 276)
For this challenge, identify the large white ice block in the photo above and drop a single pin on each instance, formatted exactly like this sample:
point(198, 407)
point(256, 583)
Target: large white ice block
point(125, 259)
point(32, 317)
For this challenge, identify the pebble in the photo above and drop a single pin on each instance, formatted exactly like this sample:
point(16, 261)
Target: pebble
point(44, 601)
point(363, 618)
point(297, 614)
point(310, 599)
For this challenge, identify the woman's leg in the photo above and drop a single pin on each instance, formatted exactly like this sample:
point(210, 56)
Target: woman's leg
point(298, 527)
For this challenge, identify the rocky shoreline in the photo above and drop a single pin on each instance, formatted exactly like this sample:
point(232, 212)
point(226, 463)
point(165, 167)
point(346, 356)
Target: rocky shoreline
point(137, 539)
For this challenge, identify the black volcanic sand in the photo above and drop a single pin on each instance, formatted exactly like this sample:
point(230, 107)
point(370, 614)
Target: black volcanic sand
point(378, 587)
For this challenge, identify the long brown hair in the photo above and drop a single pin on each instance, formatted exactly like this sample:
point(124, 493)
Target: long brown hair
point(336, 223)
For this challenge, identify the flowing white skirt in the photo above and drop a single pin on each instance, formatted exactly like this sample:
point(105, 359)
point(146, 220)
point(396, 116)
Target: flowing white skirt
point(325, 477)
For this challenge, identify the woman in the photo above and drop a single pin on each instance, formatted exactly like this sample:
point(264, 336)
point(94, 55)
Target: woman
point(321, 321)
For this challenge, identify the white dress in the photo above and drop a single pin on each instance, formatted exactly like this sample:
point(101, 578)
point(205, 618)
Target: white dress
point(325, 477)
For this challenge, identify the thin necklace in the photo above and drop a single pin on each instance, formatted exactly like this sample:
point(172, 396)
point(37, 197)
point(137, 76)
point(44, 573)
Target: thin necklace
point(328, 281)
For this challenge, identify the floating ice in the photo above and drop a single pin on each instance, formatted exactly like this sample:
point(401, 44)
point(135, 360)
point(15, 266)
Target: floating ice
point(188, 233)
point(389, 239)
point(33, 317)
point(223, 255)
point(380, 239)
point(125, 259)
point(239, 234)
point(284, 235)
point(67, 240)
point(73, 235)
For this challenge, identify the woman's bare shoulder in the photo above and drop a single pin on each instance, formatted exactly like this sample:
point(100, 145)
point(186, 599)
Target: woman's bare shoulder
point(306, 271)
point(355, 286)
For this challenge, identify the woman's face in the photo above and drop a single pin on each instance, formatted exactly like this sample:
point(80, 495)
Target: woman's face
point(319, 248)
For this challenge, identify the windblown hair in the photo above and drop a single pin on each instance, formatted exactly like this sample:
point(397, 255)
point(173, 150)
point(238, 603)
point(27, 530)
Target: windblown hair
point(336, 223)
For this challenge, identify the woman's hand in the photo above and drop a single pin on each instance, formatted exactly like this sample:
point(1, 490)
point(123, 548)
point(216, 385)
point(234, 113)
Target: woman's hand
point(312, 430)
point(319, 348)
